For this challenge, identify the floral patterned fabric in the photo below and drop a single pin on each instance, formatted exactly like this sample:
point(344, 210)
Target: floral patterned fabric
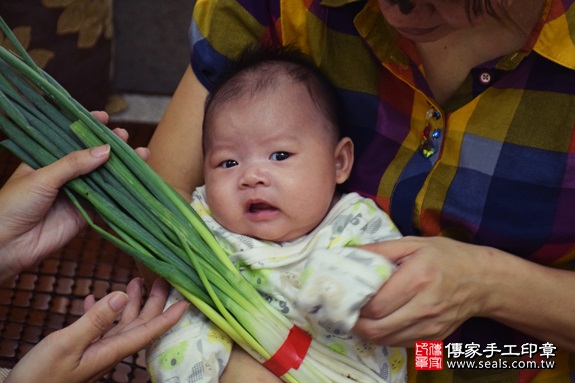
point(69, 39)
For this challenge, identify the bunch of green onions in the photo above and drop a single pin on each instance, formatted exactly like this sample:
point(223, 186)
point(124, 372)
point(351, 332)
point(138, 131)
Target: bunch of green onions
point(151, 221)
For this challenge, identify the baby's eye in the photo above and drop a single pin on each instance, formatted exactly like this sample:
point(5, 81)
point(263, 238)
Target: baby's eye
point(280, 156)
point(228, 164)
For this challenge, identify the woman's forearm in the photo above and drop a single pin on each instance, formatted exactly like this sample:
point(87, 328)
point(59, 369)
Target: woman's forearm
point(176, 146)
point(535, 299)
point(243, 368)
point(440, 283)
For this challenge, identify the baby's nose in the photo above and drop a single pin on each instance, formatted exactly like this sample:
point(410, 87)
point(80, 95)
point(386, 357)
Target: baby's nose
point(255, 175)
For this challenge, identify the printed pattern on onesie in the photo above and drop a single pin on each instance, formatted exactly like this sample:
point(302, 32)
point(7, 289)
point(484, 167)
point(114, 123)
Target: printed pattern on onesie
point(319, 281)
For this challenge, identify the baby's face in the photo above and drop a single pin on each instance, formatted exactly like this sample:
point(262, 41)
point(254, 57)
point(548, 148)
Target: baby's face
point(270, 165)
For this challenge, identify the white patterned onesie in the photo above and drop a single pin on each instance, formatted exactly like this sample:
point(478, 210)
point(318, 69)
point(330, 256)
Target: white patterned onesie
point(319, 281)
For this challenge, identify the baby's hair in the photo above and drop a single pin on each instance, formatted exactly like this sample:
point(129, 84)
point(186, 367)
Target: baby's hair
point(260, 69)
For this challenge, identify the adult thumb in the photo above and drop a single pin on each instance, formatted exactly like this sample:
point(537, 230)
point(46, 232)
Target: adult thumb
point(394, 250)
point(73, 165)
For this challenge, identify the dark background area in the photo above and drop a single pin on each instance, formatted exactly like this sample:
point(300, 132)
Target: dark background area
point(151, 49)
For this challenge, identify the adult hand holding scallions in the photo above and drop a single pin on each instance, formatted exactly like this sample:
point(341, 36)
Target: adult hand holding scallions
point(36, 220)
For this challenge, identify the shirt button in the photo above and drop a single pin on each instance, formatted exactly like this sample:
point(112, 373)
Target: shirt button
point(485, 78)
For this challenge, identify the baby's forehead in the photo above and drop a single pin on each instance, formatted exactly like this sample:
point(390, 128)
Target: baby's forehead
point(272, 78)
point(269, 82)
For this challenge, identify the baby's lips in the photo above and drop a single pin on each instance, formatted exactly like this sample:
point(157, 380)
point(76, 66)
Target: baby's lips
point(256, 205)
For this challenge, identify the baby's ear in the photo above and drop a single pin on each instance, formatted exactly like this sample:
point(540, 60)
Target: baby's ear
point(343, 159)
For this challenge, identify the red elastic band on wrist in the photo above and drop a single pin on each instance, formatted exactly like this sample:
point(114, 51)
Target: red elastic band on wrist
point(290, 354)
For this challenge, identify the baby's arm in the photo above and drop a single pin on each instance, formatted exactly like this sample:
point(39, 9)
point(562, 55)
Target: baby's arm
point(194, 350)
point(336, 284)
point(338, 280)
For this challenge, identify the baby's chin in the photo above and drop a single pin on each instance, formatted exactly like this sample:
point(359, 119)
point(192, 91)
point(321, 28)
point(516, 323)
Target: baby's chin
point(276, 236)
point(276, 230)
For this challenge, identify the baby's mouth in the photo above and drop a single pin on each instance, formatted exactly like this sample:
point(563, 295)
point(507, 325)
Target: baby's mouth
point(260, 206)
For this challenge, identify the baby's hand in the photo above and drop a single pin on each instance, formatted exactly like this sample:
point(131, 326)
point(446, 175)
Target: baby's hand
point(337, 283)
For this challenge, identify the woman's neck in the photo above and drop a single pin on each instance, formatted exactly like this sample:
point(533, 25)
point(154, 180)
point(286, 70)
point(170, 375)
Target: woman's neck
point(447, 62)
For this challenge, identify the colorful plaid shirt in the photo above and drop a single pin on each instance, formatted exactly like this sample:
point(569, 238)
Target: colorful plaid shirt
point(494, 165)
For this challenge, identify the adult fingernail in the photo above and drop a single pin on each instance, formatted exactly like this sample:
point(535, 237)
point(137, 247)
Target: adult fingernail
point(118, 301)
point(100, 151)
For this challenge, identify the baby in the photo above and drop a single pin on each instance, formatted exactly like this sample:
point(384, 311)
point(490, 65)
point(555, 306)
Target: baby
point(274, 156)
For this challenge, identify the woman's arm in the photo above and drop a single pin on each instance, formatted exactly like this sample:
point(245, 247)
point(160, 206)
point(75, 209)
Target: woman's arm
point(242, 368)
point(176, 146)
point(440, 283)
